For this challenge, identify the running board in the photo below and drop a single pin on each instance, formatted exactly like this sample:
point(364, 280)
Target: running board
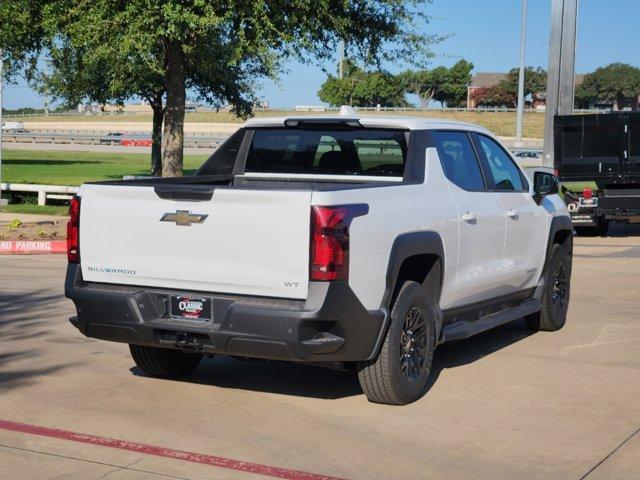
point(462, 330)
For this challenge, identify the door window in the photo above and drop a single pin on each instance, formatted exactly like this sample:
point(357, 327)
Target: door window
point(503, 171)
point(459, 160)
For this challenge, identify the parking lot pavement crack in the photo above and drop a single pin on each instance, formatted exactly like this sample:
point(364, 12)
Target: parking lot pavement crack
point(95, 462)
point(118, 469)
point(609, 455)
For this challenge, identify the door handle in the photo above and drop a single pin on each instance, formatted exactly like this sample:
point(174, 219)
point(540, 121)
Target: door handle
point(468, 217)
point(513, 213)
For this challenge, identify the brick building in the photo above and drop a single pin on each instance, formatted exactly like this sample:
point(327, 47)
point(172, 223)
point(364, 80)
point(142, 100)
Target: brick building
point(482, 81)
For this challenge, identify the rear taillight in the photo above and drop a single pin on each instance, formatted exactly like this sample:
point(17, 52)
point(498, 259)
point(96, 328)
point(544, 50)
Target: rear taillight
point(73, 231)
point(587, 193)
point(330, 241)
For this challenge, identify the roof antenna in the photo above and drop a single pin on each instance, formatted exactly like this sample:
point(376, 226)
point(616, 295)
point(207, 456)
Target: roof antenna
point(347, 111)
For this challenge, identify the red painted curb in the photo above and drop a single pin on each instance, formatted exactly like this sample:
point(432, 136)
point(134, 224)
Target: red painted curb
point(220, 462)
point(32, 247)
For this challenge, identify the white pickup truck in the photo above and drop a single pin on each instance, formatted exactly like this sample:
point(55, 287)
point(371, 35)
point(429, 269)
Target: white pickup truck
point(362, 242)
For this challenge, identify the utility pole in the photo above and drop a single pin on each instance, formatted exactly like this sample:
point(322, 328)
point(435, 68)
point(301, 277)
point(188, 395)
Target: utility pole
point(523, 42)
point(2, 201)
point(561, 73)
point(341, 60)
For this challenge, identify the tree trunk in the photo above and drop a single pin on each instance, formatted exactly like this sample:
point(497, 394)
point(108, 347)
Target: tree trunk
point(156, 135)
point(173, 136)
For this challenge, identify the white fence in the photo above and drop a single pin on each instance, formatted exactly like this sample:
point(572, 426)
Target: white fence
point(88, 138)
point(53, 192)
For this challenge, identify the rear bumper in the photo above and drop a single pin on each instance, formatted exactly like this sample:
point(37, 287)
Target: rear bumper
point(330, 326)
point(584, 219)
point(620, 206)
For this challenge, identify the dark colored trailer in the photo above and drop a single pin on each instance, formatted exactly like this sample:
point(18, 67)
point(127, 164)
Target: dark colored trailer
point(605, 149)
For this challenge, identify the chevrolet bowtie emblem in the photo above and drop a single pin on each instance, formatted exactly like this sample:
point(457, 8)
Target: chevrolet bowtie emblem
point(183, 218)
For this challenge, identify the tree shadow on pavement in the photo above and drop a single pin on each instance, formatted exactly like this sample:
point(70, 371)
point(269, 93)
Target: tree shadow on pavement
point(12, 373)
point(26, 318)
point(12, 378)
point(22, 312)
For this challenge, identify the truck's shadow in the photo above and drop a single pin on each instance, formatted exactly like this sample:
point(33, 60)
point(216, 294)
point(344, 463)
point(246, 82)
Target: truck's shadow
point(286, 378)
point(456, 354)
point(623, 230)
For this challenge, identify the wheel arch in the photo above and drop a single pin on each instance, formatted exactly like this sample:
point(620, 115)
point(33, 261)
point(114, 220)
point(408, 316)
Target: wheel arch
point(561, 233)
point(412, 257)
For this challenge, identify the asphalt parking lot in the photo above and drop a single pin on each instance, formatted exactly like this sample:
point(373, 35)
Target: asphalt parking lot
point(506, 404)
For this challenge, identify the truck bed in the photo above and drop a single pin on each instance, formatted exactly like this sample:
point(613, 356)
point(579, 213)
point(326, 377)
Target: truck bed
point(604, 148)
point(247, 182)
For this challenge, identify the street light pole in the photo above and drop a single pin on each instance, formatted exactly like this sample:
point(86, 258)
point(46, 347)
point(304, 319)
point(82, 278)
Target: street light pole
point(2, 202)
point(341, 60)
point(523, 41)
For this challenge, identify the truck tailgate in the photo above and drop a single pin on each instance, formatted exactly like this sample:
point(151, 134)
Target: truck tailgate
point(252, 242)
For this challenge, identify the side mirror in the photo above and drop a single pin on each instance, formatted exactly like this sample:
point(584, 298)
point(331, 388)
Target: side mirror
point(544, 184)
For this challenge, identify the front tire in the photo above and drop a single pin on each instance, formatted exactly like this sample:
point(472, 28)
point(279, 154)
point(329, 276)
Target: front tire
point(164, 362)
point(400, 373)
point(555, 300)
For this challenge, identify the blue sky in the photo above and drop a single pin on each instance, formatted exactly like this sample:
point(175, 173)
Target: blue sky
point(485, 32)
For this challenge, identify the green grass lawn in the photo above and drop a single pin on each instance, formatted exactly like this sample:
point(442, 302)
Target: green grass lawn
point(28, 208)
point(580, 186)
point(74, 168)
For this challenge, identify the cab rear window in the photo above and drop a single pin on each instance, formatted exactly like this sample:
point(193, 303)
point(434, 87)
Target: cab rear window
point(322, 151)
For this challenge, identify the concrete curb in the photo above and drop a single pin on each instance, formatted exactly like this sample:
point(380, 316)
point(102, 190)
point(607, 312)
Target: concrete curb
point(32, 247)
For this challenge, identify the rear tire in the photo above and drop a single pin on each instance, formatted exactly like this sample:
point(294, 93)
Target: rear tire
point(164, 362)
point(400, 373)
point(555, 300)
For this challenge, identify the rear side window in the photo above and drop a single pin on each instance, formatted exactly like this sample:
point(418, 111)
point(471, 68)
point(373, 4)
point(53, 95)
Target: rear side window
point(504, 173)
point(459, 160)
point(327, 151)
point(224, 158)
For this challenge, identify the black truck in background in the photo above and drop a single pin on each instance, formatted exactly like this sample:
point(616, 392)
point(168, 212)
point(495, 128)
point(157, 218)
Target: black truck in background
point(605, 149)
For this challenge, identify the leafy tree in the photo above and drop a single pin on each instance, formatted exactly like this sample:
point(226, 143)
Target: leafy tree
point(454, 91)
point(615, 84)
point(21, 36)
point(446, 85)
point(425, 84)
point(505, 93)
point(364, 89)
point(497, 96)
point(219, 50)
point(108, 73)
point(535, 81)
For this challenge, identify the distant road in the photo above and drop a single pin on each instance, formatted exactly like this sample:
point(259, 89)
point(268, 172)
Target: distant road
point(93, 148)
point(105, 126)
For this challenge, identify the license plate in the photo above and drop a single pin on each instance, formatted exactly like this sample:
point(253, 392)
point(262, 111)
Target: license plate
point(588, 202)
point(191, 308)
